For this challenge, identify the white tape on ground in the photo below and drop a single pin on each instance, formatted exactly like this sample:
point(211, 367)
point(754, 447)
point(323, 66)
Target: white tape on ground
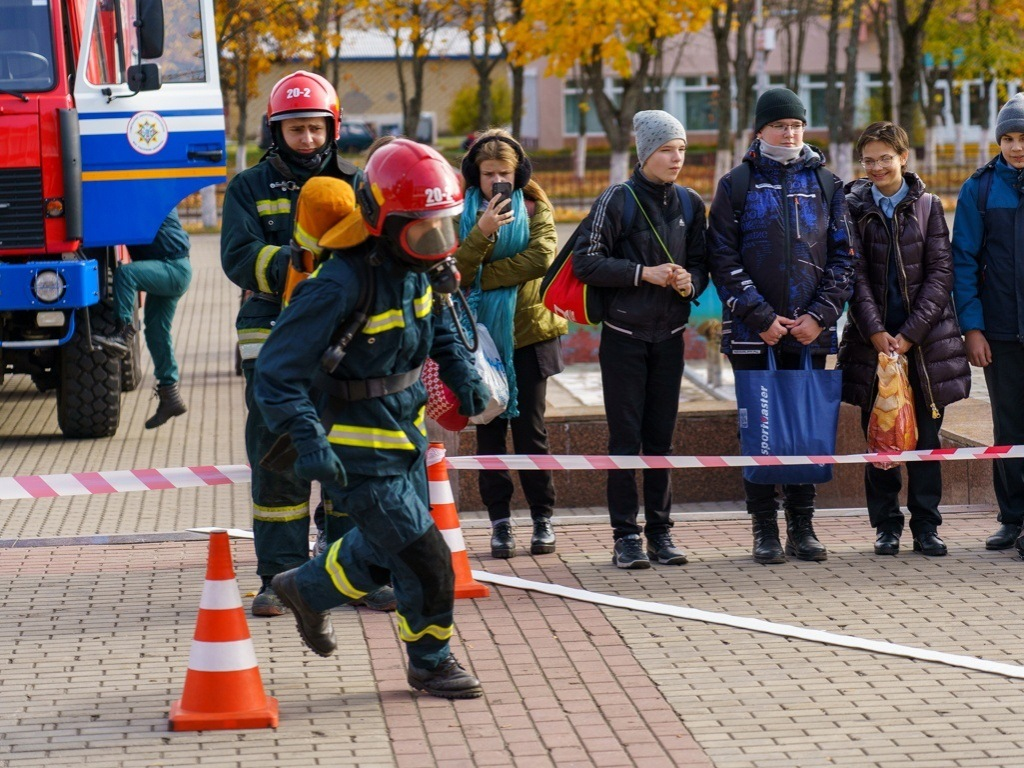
point(757, 625)
point(737, 622)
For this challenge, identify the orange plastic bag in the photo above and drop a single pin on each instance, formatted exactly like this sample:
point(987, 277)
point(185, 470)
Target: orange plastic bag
point(892, 425)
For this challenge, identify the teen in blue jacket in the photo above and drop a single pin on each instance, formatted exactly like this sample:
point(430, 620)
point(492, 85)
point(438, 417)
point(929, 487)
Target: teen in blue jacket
point(988, 287)
point(783, 267)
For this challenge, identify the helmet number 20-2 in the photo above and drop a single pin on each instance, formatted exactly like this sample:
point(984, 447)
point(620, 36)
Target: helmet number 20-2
point(438, 196)
point(298, 93)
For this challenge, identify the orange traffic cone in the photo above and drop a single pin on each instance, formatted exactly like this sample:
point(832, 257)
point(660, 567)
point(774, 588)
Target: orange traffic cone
point(223, 689)
point(446, 518)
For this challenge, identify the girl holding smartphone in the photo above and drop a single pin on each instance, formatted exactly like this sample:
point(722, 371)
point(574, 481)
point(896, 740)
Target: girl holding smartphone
point(508, 241)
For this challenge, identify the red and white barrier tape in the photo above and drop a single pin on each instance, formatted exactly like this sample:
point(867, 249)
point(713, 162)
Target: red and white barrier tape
point(122, 481)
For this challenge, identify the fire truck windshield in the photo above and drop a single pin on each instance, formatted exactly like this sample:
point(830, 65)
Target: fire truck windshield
point(26, 46)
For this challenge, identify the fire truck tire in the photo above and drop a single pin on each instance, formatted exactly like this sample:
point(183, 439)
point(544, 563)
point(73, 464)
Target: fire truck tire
point(89, 390)
point(131, 366)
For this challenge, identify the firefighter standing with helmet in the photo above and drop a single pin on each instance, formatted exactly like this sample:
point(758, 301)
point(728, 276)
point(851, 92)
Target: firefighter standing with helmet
point(362, 433)
point(305, 121)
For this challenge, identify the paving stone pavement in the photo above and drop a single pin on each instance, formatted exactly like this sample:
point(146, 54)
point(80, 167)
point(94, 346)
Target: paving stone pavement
point(102, 594)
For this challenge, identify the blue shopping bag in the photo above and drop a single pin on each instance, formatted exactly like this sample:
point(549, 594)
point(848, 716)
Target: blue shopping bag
point(788, 413)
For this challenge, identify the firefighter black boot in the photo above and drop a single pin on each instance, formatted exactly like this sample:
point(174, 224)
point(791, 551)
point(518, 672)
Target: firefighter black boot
point(801, 542)
point(170, 405)
point(767, 547)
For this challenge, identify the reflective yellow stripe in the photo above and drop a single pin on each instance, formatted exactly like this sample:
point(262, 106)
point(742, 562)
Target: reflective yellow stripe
point(408, 636)
point(337, 573)
point(252, 335)
point(421, 306)
point(274, 207)
point(263, 260)
point(385, 321)
point(154, 173)
point(307, 241)
point(280, 514)
point(370, 437)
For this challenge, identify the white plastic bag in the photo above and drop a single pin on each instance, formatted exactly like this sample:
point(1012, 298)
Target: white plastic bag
point(492, 371)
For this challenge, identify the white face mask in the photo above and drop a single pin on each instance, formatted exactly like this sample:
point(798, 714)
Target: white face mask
point(784, 155)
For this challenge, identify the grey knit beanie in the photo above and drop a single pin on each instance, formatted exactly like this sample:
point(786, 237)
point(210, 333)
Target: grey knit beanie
point(653, 127)
point(778, 104)
point(1011, 117)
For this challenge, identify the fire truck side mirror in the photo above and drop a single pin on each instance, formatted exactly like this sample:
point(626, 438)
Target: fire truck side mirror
point(144, 77)
point(150, 27)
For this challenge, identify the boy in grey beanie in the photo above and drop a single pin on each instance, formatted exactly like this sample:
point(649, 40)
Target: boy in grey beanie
point(653, 128)
point(1011, 117)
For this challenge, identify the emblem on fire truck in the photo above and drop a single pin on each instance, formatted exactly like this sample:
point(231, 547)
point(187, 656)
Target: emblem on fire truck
point(147, 132)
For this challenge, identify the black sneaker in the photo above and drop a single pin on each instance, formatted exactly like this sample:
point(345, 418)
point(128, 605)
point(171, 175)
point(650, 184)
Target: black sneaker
point(314, 626)
point(661, 548)
point(447, 681)
point(629, 553)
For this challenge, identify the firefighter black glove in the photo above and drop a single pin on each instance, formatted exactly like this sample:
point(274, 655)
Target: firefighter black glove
point(473, 398)
point(317, 459)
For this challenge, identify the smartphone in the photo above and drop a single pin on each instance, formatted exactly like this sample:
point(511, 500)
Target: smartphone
point(503, 191)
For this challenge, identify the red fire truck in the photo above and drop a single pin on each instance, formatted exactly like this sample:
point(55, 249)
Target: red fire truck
point(110, 114)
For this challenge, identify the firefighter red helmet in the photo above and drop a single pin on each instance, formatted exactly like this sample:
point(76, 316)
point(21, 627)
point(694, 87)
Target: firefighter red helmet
point(406, 185)
point(304, 94)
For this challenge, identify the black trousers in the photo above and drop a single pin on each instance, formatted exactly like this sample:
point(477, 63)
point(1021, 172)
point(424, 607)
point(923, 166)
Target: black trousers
point(924, 478)
point(529, 436)
point(640, 381)
point(762, 498)
point(1005, 380)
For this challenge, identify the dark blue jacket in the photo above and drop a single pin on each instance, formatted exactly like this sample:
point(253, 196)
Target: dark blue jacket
point(787, 255)
point(988, 255)
point(377, 436)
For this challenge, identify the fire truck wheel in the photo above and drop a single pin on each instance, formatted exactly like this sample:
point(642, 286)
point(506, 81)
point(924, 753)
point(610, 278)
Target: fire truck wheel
point(131, 366)
point(89, 390)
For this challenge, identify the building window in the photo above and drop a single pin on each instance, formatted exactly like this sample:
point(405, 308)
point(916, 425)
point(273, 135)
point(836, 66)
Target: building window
point(696, 99)
point(572, 95)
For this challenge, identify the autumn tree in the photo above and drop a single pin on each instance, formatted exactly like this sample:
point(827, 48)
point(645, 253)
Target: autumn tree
point(732, 24)
point(483, 22)
point(414, 27)
point(840, 103)
point(598, 36)
point(911, 18)
point(250, 33)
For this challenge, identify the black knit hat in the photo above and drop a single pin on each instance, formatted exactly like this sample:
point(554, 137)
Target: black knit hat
point(778, 104)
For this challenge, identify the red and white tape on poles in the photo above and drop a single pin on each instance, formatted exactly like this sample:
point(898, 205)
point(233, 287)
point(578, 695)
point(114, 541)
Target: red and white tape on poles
point(123, 481)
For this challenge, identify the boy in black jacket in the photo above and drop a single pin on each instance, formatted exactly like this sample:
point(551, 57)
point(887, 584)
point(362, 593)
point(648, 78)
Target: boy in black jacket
point(656, 264)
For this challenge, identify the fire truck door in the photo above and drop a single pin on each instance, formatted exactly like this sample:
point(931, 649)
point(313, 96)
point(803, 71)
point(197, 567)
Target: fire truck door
point(143, 152)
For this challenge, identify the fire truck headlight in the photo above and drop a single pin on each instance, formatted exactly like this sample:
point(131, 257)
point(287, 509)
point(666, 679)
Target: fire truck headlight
point(48, 286)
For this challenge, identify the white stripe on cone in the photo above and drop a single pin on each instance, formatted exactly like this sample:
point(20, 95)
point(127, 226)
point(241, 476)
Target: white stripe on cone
point(230, 656)
point(220, 595)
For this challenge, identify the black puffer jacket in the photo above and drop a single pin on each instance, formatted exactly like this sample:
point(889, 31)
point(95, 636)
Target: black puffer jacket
point(609, 256)
point(925, 275)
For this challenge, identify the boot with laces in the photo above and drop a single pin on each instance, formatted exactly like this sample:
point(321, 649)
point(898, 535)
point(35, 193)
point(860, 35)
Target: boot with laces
point(170, 405)
point(543, 541)
point(503, 542)
point(801, 542)
point(447, 681)
point(767, 547)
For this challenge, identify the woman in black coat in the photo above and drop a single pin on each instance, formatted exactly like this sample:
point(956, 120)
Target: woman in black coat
point(902, 304)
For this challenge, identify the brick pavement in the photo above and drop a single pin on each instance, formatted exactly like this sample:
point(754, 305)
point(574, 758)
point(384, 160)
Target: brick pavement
point(98, 633)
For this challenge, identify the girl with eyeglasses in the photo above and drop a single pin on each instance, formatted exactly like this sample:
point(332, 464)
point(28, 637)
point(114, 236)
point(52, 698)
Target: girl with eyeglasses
point(902, 305)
